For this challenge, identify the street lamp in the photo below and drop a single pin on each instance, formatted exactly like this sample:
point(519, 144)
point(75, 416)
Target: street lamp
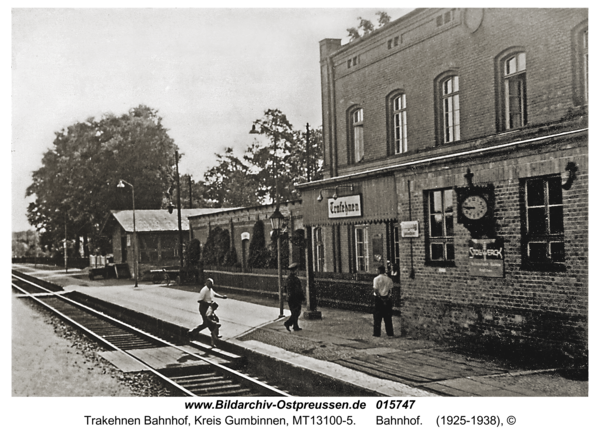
point(276, 222)
point(276, 219)
point(122, 184)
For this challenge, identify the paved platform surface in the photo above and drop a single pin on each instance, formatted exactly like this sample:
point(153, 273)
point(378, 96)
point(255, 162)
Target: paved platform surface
point(339, 345)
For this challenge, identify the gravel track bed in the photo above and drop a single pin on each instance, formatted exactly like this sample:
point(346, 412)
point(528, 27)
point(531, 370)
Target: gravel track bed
point(52, 359)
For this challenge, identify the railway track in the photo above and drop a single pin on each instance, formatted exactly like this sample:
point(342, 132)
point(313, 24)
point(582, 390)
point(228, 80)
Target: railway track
point(203, 375)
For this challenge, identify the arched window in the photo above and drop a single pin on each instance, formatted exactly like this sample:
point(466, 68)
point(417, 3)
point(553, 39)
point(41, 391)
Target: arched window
point(514, 88)
point(580, 64)
point(356, 136)
point(398, 110)
point(449, 109)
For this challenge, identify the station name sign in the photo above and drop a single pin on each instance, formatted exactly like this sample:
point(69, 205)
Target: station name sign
point(345, 207)
point(486, 257)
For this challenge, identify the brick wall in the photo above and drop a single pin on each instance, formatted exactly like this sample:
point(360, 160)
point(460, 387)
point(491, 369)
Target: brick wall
point(544, 34)
point(542, 309)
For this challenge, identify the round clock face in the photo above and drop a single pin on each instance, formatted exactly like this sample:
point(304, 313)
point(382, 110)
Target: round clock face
point(474, 207)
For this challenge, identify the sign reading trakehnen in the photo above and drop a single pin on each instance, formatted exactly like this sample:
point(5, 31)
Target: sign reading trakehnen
point(344, 207)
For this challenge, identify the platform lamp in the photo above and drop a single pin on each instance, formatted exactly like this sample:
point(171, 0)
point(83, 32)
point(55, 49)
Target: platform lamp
point(276, 223)
point(122, 184)
point(276, 219)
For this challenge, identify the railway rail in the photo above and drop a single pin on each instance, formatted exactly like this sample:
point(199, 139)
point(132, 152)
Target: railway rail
point(211, 376)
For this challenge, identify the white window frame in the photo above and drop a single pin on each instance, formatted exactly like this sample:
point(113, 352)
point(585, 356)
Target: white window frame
point(450, 109)
point(547, 237)
point(319, 250)
point(514, 72)
point(584, 65)
point(364, 243)
point(358, 141)
point(444, 239)
point(399, 116)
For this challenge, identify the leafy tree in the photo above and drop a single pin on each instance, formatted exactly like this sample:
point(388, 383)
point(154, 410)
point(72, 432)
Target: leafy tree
point(383, 19)
point(193, 194)
point(230, 184)
point(76, 186)
point(283, 162)
point(269, 162)
point(353, 33)
point(366, 26)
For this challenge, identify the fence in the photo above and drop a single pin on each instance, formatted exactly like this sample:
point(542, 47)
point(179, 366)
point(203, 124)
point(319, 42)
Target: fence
point(339, 290)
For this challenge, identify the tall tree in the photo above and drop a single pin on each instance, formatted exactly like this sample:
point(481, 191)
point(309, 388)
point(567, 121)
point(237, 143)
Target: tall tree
point(76, 186)
point(366, 26)
point(230, 183)
point(282, 162)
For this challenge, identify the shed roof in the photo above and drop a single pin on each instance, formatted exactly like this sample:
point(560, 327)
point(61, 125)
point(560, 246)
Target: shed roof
point(157, 220)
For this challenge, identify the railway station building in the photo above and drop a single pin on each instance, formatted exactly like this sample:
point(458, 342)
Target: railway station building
point(456, 154)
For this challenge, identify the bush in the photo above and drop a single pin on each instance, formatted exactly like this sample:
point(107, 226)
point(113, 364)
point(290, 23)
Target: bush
point(193, 253)
point(258, 255)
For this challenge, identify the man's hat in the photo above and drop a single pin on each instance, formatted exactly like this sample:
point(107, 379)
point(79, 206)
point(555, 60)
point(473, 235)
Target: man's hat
point(293, 266)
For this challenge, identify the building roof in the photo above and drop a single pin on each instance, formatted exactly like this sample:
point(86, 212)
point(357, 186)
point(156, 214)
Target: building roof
point(157, 220)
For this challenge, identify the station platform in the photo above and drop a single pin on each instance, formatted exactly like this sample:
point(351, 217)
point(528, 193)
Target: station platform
point(338, 346)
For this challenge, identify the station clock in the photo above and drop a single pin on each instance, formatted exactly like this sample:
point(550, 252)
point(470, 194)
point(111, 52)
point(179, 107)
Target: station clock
point(476, 209)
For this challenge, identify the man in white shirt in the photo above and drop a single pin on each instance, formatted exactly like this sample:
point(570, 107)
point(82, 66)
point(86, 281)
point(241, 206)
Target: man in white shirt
point(205, 299)
point(382, 291)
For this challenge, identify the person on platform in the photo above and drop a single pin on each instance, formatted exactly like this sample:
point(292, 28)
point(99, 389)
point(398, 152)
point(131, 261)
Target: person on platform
point(382, 293)
point(295, 296)
point(205, 301)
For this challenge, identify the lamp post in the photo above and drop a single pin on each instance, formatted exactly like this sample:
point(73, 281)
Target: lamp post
point(122, 184)
point(179, 212)
point(276, 219)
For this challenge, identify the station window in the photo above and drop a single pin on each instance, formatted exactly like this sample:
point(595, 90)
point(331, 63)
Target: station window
point(581, 67)
point(399, 120)
point(543, 223)
point(396, 243)
point(361, 235)
point(319, 249)
point(449, 109)
point(514, 91)
point(440, 232)
point(356, 140)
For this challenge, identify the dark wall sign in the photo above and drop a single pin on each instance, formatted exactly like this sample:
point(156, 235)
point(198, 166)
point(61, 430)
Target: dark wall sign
point(486, 257)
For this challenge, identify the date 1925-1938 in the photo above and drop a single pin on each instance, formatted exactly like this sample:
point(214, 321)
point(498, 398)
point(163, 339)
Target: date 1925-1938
point(445, 420)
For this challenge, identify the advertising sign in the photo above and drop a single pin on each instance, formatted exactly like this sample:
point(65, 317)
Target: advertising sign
point(486, 257)
point(345, 207)
point(409, 229)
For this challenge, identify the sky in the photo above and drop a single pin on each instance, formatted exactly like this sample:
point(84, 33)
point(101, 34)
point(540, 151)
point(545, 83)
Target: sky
point(209, 72)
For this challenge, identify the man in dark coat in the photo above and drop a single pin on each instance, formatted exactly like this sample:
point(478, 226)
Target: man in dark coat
point(295, 298)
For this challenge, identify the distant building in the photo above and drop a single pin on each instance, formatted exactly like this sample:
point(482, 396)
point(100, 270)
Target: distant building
point(456, 150)
point(157, 233)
